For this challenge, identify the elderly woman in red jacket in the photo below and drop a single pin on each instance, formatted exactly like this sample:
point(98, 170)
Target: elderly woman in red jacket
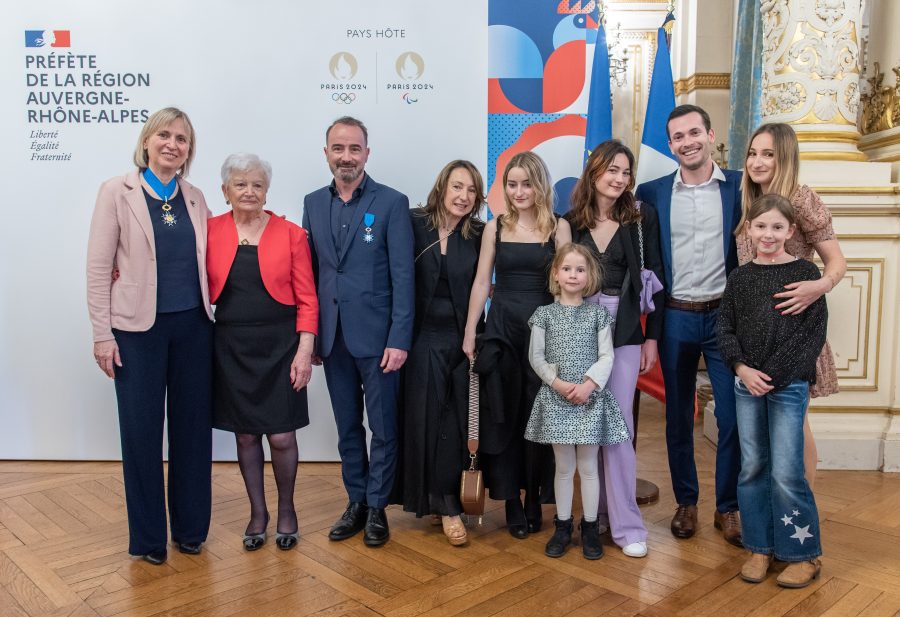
point(261, 281)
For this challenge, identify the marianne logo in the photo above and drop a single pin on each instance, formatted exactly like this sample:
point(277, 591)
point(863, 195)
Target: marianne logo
point(47, 38)
point(343, 66)
point(410, 66)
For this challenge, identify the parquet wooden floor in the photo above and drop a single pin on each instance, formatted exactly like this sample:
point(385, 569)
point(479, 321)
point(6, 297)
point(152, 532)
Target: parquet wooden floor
point(63, 537)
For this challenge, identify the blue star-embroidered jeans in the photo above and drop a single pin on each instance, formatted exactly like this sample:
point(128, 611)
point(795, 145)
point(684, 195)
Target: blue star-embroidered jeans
point(778, 511)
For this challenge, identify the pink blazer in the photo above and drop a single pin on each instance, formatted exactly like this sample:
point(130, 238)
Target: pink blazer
point(122, 237)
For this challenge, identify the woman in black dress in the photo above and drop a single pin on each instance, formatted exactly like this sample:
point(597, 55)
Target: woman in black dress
point(261, 281)
point(519, 244)
point(433, 421)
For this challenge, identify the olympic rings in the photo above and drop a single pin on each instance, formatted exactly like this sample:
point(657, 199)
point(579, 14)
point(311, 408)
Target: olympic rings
point(343, 97)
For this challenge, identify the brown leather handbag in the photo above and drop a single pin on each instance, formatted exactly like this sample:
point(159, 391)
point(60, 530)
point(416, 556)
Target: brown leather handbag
point(471, 486)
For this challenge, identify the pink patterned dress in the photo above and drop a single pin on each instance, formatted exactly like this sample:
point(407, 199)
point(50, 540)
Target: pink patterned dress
point(813, 225)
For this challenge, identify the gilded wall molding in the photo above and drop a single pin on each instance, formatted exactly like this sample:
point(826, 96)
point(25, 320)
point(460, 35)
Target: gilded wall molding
point(861, 409)
point(862, 288)
point(702, 81)
point(811, 61)
point(873, 140)
point(880, 104)
point(882, 189)
point(868, 236)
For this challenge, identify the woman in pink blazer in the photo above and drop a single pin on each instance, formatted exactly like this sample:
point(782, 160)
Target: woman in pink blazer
point(153, 333)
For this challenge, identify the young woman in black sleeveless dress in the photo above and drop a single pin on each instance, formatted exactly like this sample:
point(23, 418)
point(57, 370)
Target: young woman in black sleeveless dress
point(519, 245)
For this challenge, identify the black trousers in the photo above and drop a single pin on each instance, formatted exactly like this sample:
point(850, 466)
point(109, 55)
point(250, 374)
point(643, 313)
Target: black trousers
point(166, 372)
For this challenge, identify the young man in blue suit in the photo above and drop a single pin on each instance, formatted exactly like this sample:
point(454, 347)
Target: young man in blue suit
point(362, 248)
point(699, 206)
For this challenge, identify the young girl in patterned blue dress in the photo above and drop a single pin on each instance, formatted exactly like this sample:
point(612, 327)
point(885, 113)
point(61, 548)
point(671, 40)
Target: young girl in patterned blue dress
point(571, 351)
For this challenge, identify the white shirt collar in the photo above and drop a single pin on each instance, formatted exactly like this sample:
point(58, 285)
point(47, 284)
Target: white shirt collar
point(717, 175)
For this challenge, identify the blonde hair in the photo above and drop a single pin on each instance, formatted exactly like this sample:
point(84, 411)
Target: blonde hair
point(434, 206)
point(539, 176)
point(785, 180)
point(594, 275)
point(159, 119)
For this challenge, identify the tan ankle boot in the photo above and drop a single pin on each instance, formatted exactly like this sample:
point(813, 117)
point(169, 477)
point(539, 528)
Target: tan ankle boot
point(756, 567)
point(800, 574)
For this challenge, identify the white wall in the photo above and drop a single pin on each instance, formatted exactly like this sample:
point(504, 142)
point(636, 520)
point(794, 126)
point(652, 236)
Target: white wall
point(251, 77)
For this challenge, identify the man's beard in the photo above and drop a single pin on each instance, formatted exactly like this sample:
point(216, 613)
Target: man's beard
point(347, 174)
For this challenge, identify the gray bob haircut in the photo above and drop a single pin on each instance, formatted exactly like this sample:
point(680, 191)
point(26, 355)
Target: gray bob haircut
point(244, 161)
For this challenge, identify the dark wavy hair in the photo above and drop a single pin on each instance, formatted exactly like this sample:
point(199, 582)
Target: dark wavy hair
point(584, 195)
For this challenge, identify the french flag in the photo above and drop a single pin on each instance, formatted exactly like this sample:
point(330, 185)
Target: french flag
point(599, 113)
point(656, 160)
point(47, 38)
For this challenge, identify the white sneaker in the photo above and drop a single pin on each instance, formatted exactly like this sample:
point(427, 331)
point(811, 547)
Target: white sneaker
point(636, 549)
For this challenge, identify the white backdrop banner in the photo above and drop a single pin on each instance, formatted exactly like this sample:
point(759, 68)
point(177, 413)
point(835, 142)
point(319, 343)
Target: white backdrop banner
point(268, 77)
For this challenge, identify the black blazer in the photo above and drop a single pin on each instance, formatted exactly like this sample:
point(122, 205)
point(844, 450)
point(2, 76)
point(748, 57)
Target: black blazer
point(462, 262)
point(628, 321)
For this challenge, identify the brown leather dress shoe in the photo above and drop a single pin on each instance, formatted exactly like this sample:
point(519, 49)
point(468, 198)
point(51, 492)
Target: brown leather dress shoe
point(730, 525)
point(799, 574)
point(684, 523)
point(756, 567)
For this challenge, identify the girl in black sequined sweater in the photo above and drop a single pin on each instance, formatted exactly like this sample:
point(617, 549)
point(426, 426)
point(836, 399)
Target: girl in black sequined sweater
point(774, 358)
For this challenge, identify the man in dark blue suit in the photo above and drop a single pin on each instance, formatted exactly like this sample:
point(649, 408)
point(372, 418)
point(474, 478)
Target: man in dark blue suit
point(699, 206)
point(362, 248)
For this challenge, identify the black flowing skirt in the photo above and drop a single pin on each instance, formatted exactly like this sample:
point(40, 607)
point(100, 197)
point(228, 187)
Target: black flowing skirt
point(509, 384)
point(433, 425)
point(509, 461)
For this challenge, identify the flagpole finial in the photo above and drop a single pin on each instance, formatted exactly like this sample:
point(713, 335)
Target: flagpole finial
point(600, 6)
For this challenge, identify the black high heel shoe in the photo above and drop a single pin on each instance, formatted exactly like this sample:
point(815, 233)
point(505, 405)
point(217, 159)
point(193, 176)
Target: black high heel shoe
point(287, 541)
point(255, 541)
point(515, 519)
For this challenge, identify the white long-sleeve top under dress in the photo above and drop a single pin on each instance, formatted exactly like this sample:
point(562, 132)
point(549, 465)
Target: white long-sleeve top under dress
point(572, 343)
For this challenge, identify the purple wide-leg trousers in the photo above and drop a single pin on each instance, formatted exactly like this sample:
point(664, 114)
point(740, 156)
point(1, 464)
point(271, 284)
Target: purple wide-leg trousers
point(618, 463)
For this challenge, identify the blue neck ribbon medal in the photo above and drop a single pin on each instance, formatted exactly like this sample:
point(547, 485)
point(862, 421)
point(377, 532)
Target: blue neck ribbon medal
point(369, 219)
point(165, 191)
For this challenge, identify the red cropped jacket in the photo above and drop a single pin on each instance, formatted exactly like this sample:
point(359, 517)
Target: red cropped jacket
point(285, 264)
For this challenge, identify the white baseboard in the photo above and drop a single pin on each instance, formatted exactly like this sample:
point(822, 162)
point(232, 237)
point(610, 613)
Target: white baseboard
point(853, 441)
